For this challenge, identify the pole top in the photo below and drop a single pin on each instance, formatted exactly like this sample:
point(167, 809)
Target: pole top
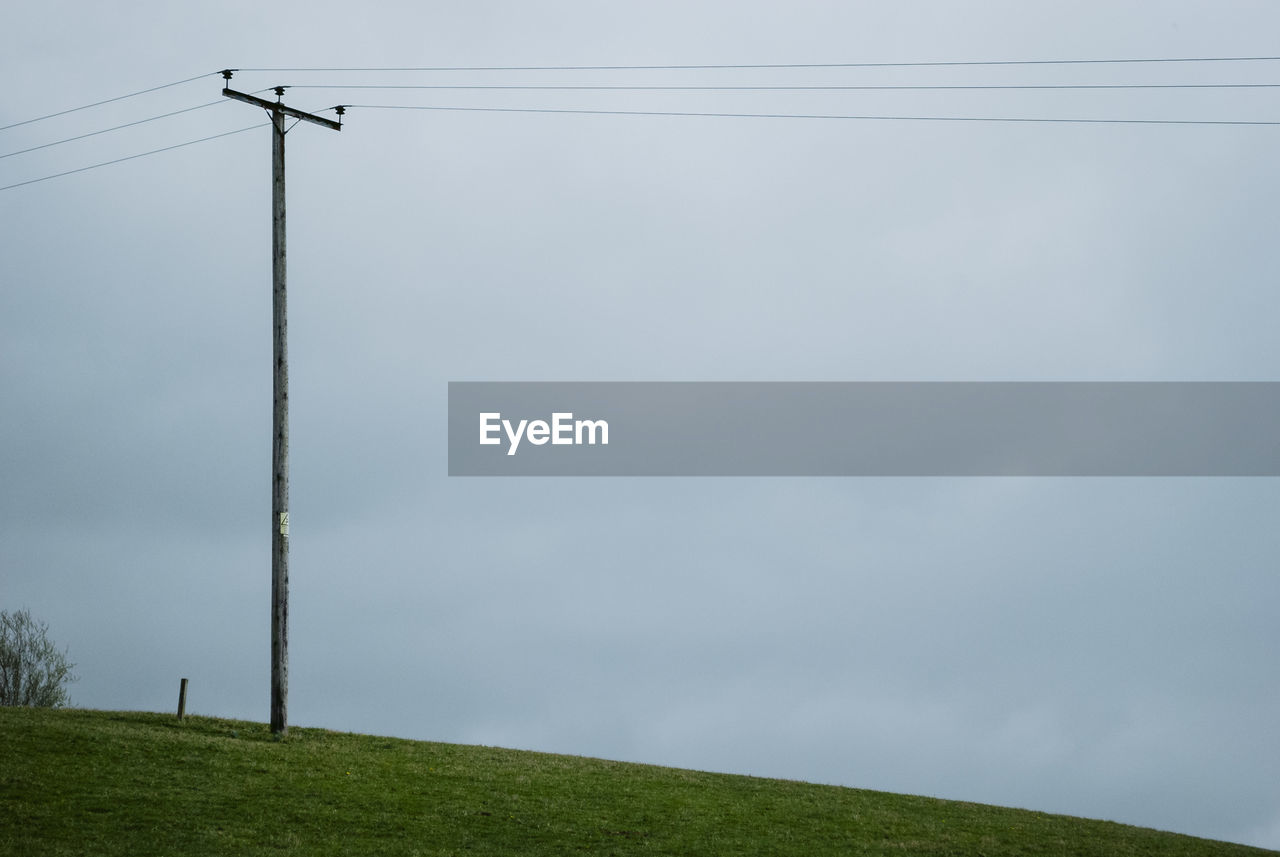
point(278, 106)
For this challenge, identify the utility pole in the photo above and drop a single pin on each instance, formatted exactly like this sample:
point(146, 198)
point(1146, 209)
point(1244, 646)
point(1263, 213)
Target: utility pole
point(280, 400)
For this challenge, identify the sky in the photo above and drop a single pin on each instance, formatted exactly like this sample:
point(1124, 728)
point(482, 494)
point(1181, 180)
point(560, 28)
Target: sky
point(1101, 647)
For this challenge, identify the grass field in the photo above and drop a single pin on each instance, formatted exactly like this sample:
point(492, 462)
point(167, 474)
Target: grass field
point(132, 783)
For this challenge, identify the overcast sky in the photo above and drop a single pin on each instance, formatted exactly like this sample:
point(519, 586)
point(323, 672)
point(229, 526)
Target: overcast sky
point(1098, 647)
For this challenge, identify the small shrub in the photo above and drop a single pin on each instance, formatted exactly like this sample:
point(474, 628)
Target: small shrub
point(32, 670)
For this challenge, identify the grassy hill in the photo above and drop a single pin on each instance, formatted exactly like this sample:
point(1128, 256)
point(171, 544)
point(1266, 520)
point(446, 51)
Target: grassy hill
point(129, 783)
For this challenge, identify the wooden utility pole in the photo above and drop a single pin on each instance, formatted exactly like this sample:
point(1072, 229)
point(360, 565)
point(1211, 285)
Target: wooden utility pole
point(280, 401)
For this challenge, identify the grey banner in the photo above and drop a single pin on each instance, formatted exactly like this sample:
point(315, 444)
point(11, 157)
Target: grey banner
point(864, 429)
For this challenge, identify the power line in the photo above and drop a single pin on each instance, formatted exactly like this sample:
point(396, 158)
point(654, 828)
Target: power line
point(105, 101)
point(672, 113)
point(941, 63)
point(825, 116)
point(783, 88)
point(776, 65)
point(107, 130)
point(134, 157)
point(679, 88)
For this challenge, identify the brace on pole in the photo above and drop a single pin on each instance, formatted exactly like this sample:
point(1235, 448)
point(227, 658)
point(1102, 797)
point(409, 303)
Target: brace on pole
point(270, 106)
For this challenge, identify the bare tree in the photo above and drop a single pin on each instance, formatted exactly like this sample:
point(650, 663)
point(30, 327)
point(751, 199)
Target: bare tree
point(32, 670)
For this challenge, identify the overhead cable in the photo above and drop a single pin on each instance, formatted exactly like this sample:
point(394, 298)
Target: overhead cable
point(114, 128)
point(783, 88)
point(134, 157)
point(105, 101)
point(1026, 119)
point(775, 65)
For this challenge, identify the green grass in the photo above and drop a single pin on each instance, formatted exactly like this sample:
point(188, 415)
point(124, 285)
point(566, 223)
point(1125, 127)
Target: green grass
point(131, 783)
